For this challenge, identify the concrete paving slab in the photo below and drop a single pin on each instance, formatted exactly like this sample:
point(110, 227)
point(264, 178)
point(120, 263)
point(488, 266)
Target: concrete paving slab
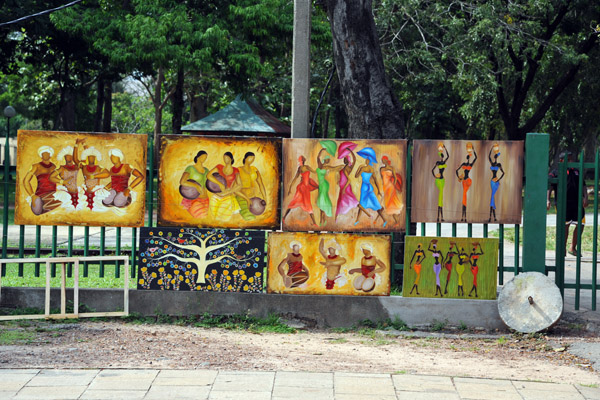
point(531, 394)
point(51, 392)
point(235, 382)
point(122, 379)
point(185, 378)
point(407, 395)
point(180, 392)
point(590, 393)
point(364, 385)
point(18, 371)
point(14, 381)
point(545, 387)
point(349, 396)
point(304, 379)
point(113, 394)
point(486, 389)
point(423, 383)
point(70, 377)
point(588, 350)
point(7, 394)
point(298, 393)
point(237, 395)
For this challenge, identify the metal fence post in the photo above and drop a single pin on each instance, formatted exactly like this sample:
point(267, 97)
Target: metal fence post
point(534, 209)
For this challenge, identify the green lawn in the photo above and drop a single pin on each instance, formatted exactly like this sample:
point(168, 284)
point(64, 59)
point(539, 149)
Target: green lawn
point(586, 239)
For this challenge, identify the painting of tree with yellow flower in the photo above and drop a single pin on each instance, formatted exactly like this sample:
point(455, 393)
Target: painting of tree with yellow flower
point(218, 260)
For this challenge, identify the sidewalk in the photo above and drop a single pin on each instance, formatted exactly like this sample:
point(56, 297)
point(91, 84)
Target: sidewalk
point(212, 384)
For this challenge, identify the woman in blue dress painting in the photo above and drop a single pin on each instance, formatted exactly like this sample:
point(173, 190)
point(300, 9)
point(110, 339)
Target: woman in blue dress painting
point(368, 199)
point(495, 181)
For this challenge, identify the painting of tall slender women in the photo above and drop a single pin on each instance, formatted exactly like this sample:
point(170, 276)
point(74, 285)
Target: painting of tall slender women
point(70, 178)
point(220, 182)
point(207, 260)
point(467, 181)
point(445, 267)
point(344, 185)
point(344, 264)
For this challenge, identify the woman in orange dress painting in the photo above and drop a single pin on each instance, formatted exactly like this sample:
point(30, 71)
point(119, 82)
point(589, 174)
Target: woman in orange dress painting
point(463, 177)
point(392, 184)
point(302, 197)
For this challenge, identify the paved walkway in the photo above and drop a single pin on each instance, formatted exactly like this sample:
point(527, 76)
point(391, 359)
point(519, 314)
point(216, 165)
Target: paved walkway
point(210, 384)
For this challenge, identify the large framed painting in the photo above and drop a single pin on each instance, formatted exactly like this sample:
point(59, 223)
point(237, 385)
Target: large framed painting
point(192, 259)
point(467, 181)
point(344, 185)
point(72, 178)
point(220, 182)
point(446, 267)
point(342, 264)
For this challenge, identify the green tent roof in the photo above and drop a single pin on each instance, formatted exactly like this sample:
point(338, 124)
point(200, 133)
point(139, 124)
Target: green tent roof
point(240, 116)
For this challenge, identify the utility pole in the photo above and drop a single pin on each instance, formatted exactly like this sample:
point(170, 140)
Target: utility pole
point(301, 69)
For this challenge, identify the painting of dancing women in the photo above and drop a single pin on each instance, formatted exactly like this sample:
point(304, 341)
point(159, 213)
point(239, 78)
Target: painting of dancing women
point(219, 182)
point(344, 185)
point(468, 181)
point(69, 178)
point(456, 268)
point(343, 264)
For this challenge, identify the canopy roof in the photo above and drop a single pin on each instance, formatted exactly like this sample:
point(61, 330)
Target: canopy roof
point(240, 116)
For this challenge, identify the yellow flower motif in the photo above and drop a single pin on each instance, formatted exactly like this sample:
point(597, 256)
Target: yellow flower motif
point(141, 281)
point(225, 272)
point(229, 287)
point(218, 285)
point(244, 277)
point(228, 278)
point(235, 272)
point(251, 279)
point(176, 272)
point(209, 287)
point(245, 288)
point(194, 271)
point(214, 271)
point(180, 278)
point(258, 274)
point(154, 274)
point(187, 281)
point(161, 269)
point(144, 269)
point(173, 281)
point(206, 276)
point(169, 276)
point(187, 273)
point(160, 281)
point(242, 272)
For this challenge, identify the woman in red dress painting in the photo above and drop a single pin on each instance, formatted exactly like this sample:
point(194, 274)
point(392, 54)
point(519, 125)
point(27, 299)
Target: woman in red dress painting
point(302, 197)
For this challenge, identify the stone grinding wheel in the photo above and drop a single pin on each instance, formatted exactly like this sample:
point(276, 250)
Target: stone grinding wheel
point(530, 302)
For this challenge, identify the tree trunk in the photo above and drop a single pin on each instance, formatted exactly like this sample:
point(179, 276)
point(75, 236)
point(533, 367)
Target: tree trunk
point(372, 108)
point(198, 107)
point(99, 105)
point(67, 112)
point(107, 122)
point(177, 102)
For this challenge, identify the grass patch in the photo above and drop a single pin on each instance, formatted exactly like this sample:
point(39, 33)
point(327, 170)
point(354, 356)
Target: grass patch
point(93, 280)
point(439, 326)
point(586, 237)
point(11, 337)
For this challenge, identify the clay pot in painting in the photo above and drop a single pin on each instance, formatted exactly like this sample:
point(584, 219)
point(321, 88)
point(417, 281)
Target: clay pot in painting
point(257, 206)
point(189, 192)
point(213, 187)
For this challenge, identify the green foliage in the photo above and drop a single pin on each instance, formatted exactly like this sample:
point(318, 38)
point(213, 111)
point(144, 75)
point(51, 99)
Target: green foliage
point(13, 337)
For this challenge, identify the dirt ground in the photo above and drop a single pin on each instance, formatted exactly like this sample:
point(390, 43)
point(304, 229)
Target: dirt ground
point(120, 344)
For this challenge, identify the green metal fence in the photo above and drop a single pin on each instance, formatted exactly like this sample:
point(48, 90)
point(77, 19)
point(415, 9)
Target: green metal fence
point(581, 272)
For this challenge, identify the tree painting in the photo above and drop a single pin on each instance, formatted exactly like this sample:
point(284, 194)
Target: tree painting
point(201, 259)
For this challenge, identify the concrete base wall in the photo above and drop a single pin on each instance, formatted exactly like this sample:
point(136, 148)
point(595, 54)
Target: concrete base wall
point(319, 311)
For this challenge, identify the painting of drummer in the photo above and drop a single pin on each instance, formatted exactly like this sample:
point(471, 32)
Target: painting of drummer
point(42, 200)
point(333, 261)
point(119, 186)
point(297, 273)
point(370, 265)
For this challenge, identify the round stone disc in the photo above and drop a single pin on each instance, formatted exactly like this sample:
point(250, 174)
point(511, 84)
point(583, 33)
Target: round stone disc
point(530, 302)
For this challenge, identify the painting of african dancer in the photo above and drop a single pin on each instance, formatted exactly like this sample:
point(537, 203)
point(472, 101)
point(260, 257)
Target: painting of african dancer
point(341, 264)
point(219, 182)
point(445, 267)
point(344, 185)
point(70, 178)
point(467, 181)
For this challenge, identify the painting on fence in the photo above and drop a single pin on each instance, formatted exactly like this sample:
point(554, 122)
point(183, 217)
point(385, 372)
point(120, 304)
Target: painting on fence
point(68, 178)
point(467, 181)
point(219, 182)
point(216, 260)
point(446, 267)
point(344, 264)
point(337, 185)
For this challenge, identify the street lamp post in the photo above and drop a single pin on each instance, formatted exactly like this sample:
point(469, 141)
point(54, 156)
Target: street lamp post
point(9, 112)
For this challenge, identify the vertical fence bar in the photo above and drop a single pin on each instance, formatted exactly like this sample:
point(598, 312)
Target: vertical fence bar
point(517, 248)
point(469, 230)
point(561, 212)
point(133, 251)
point(150, 194)
point(6, 179)
point(485, 230)
point(501, 254)
point(438, 229)
point(595, 230)
point(118, 252)
point(21, 247)
point(38, 244)
point(454, 229)
point(54, 246)
point(86, 249)
point(70, 251)
point(423, 233)
point(580, 214)
point(102, 242)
